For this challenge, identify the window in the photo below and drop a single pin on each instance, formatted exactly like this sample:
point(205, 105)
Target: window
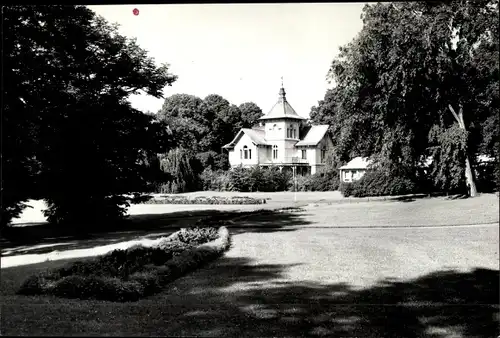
point(241, 154)
point(294, 132)
point(304, 154)
point(288, 132)
point(249, 154)
point(245, 152)
point(323, 155)
point(275, 152)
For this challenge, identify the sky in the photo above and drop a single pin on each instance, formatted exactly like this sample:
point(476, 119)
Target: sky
point(241, 51)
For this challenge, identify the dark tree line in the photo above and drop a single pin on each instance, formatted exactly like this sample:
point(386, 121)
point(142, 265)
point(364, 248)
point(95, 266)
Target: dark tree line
point(402, 83)
point(69, 135)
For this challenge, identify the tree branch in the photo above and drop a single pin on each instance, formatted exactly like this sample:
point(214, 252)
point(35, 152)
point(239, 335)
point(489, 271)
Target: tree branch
point(454, 114)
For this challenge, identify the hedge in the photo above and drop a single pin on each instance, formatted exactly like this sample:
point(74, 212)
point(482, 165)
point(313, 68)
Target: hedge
point(166, 199)
point(134, 273)
point(323, 181)
point(379, 183)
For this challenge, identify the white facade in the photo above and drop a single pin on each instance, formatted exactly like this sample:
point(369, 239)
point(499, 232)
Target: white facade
point(245, 152)
point(354, 170)
point(279, 141)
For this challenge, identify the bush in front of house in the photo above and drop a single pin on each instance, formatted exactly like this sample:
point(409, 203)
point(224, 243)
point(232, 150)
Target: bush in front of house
point(322, 181)
point(346, 189)
point(128, 275)
point(379, 183)
point(216, 180)
point(246, 179)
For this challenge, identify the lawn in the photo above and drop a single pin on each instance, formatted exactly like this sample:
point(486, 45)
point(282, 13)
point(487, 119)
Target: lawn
point(376, 269)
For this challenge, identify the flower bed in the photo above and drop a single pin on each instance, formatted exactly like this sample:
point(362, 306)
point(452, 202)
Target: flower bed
point(226, 219)
point(168, 199)
point(134, 273)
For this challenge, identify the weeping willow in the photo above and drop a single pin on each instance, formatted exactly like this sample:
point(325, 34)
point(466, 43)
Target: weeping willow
point(182, 168)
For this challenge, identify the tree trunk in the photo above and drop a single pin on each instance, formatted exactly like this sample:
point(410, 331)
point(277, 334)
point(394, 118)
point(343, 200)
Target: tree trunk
point(469, 175)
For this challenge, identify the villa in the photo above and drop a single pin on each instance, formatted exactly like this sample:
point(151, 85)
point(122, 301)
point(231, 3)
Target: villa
point(282, 139)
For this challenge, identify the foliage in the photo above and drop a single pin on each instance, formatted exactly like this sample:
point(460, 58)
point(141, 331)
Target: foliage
point(274, 180)
point(206, 200)
point(380, 183)
point(448, 157)
point(346, 188)
point(486, 177)
point(258, 179)
point(205, 125)
point(395, 81)
point(183, 168)
point(250, 114)
point(107, 278)
point(321, 181)
point(66, 113)
point(196, 236)
point(216, 180)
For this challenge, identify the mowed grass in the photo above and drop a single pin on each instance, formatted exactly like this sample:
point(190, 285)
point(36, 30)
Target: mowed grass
point(305, 280)
point(419, 212)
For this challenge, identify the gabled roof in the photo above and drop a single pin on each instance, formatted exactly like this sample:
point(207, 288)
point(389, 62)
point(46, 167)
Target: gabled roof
point(256, 135)
point(357, 163)
point(282, 109)
point(314, 135)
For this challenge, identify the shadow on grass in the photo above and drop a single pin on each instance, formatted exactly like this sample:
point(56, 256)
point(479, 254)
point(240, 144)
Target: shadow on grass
point(45, 238)
point(445, 301)
point(234, 297)
point(413, 198)
point(261, 304)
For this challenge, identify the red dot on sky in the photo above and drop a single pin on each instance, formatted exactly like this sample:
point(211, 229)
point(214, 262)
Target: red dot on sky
point(135, 11)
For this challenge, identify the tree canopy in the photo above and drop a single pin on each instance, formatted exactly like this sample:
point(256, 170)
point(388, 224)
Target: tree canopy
point(204, 126)
point(394, 84)
point(70, 134)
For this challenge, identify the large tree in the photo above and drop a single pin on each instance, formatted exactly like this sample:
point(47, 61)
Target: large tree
point(186, 117)
point(205, 125)
point(250, 114)
point(400, 82)
point(70, 135)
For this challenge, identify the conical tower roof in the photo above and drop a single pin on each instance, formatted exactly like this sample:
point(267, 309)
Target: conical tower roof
point(282, 109)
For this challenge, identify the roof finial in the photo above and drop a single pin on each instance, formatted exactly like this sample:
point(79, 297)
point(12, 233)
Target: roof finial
point(282, 82)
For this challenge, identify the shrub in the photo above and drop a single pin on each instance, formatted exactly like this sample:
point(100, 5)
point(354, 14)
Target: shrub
point(275, 180)
point(486, 177)
point(327, 181)
point(379, 183)
point(346, 188)
point(206, 200)
point(148, 279)
point(215, 180)
point(33, 285)
point(322, 181)
point(128, 275)
point(196, 236)
point(258, 179)
point(97, 287)
point(302, 183)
